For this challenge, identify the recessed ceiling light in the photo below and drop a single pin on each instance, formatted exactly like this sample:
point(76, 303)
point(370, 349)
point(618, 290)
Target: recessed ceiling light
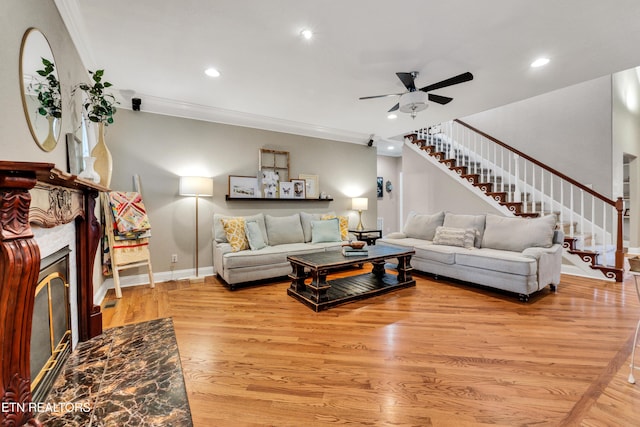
point(391, 147)
point(212, 72)
point(540, 62)
point(392, 116)
point(306, 33)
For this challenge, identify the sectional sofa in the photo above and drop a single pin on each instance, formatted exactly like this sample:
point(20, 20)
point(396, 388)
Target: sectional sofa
point(252, 248)
point(513, 254)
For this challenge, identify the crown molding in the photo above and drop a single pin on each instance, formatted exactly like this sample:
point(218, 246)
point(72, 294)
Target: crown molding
point(70, 14)
point(169, 107)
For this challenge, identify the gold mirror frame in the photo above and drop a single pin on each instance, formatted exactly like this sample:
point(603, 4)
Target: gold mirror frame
point(45, 128)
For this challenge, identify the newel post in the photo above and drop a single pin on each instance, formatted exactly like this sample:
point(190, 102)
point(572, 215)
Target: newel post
point(619, 238)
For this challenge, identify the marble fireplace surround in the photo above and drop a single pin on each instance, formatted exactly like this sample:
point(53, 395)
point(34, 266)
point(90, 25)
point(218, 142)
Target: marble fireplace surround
point(39, 193)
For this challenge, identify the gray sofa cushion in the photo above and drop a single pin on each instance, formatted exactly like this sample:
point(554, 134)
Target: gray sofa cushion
point(517, 234)
point(477, 222)
point(254, 235)
point(437, 253)
point(421, 226)
point(284, 229)
point(498, 260)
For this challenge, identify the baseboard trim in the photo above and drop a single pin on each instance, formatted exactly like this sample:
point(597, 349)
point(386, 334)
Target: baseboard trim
point(141, 279)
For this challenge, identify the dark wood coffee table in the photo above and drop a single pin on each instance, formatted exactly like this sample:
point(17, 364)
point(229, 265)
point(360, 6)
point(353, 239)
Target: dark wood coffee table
point(321, 294)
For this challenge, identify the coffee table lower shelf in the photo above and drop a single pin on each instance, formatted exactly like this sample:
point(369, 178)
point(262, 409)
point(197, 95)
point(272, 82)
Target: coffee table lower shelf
point(347, 289)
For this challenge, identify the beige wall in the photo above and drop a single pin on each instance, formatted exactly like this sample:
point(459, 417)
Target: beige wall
point(389, 169)
point(161, 148)
point(568, 129)
point(626, 140)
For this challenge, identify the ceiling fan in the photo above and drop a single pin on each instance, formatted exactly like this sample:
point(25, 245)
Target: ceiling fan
point(415, 100)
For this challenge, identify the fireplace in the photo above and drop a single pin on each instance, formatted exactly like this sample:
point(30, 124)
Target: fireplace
point(40, 194)
point(51, 325)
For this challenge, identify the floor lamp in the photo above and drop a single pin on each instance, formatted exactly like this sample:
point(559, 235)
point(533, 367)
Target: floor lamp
point(197, 186)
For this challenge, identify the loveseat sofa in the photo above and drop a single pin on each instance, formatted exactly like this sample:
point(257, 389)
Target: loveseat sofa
point(252, 248)
point(514, 254)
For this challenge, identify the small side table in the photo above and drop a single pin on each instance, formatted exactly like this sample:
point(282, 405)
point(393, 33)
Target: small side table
point(369, 236)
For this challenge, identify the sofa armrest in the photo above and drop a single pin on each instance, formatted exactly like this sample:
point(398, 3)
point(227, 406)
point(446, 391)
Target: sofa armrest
point(219, 249)
point(549, 262)
point(396, 235)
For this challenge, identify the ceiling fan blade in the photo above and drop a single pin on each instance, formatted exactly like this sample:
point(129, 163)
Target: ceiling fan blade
point(381, 96)
point(394, 108)
point(439, 99)
point(461, 78)
point(407, 80)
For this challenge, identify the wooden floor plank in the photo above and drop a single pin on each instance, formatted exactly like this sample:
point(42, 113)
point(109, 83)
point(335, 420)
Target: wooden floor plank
point(439, 354)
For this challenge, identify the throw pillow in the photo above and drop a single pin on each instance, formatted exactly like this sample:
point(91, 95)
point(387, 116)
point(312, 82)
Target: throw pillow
point(254, 235)
point(305, 220)
point(344, 225)
point(327, 230)
point(517, 234)
point(234, 230)
point(284, 229)
point(466, 221)
point(220, 234)
point(462, 237)
point(420, 226)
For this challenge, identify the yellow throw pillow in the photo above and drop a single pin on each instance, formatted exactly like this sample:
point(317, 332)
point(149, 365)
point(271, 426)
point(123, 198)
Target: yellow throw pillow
point(236, 236)
point(344, 225)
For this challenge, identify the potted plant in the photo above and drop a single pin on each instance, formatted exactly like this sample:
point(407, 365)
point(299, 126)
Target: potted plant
point(99, 105)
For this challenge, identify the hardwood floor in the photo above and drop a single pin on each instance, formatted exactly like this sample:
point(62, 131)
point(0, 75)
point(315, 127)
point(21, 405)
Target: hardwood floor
point(439, 354)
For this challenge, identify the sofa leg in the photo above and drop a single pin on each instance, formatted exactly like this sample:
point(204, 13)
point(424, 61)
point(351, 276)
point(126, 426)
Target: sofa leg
point(523, 297)
point(553, 287)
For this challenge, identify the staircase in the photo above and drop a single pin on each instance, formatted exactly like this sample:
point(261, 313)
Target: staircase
point(522, 186)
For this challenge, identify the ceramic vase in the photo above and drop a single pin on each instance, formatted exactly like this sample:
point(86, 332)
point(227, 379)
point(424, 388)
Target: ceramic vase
point(104, 163)
point(50, 143)
point(89, 173)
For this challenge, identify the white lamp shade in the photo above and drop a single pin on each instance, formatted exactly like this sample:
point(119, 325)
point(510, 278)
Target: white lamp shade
point(196, 186)
point(359, 203)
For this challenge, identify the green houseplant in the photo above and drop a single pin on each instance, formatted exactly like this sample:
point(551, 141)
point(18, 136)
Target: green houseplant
point(99, 104)
point(49, 91)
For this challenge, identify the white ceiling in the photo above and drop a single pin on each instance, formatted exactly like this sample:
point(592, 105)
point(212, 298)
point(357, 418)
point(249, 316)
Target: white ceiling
point(274, 79)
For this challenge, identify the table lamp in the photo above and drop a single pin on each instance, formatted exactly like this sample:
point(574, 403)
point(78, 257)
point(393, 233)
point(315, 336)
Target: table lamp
point(197, 186)
point(359, 204)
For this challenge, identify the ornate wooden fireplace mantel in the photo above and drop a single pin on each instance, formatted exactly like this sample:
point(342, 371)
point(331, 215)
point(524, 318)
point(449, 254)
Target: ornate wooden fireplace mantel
point(58, 198)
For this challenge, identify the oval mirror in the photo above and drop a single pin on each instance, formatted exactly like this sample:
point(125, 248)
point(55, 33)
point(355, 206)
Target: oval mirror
point(40, 88)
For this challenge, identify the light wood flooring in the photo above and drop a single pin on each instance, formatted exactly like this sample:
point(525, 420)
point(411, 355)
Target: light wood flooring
point(439, 354)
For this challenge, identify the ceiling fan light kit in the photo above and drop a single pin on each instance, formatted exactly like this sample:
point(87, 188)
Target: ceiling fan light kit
point(415, 100)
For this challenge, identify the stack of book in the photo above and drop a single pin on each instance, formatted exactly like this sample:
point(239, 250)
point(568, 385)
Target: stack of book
point(349, 251)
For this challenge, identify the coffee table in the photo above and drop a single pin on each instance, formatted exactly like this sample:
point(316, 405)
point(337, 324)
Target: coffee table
point(321, 294)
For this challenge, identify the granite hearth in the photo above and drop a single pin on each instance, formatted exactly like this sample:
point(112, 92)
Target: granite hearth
point(128, 376)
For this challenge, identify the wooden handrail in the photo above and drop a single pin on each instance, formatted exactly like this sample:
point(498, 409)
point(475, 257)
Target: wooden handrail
point(618, 204)
point(539, 163)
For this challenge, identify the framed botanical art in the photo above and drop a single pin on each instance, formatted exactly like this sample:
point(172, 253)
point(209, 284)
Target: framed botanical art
point(243, 187)
point(311, 185)
point(286, 190)
point(379, 187)
point(298, 188)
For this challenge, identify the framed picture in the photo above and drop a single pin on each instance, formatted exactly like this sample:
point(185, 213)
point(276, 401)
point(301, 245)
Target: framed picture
point(379, 187)
point(299, 187)
point(243, 187)
point(286, 190)
point(311, 185)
